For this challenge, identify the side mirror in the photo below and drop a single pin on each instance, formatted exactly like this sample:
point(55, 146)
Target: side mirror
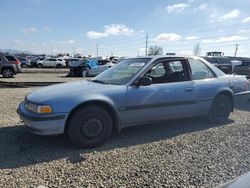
point(144, 81)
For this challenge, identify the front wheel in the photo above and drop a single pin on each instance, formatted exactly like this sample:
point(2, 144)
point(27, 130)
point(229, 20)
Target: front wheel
point(89, 127)
point(220, 110)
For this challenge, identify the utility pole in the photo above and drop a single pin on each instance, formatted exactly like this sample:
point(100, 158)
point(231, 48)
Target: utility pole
point(236, 49)
point(97, 48)
point(146, 49)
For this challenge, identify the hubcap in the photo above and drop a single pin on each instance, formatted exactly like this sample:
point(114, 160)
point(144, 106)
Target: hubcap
point(7, 73)
point(91, 128)
point(221, 109)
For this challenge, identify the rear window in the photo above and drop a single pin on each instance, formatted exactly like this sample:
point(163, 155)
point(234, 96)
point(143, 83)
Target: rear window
point(10, 58)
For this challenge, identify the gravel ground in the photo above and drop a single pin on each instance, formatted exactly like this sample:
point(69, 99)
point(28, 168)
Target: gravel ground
point(181, 153)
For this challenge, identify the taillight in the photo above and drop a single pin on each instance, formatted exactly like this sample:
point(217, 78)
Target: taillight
point(17, 62)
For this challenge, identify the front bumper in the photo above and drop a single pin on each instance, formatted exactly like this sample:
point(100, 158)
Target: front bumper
point(42, 124)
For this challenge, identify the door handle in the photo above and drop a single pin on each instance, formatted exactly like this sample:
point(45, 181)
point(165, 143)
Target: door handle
point(188, 89)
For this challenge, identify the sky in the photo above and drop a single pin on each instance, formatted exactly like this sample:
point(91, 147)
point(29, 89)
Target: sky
point(120, 27)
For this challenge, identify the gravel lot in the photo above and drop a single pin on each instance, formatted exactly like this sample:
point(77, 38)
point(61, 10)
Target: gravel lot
point(180, 153)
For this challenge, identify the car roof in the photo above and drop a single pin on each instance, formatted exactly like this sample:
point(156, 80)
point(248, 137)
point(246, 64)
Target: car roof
point(163, 57)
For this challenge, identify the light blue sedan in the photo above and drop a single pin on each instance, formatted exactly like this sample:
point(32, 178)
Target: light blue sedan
point(135, 91)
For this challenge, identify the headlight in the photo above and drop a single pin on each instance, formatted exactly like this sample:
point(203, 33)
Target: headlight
point(41, 109)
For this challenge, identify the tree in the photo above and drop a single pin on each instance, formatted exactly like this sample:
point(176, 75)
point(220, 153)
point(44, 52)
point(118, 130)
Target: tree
point(197, 49)
point(155, 50)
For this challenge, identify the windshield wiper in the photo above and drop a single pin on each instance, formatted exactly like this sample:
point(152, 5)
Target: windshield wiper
point(99, 81)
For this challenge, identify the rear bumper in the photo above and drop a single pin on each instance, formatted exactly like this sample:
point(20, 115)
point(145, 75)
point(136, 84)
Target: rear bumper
point(242, 98)
point(41, 124)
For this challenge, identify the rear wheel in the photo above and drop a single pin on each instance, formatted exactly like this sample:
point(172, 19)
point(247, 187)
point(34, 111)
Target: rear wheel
point(89, 127)
point(39, 65)
point(7, 73)
point(58, 66)
point(220, 110)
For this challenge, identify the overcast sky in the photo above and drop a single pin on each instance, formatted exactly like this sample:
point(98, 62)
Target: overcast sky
point(120, 27)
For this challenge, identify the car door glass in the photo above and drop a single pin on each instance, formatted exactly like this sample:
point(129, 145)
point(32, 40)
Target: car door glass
point(157, 71)
point(200, 70)
point(167, 72)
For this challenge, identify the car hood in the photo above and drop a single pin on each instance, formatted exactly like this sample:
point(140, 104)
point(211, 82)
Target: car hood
point(67, 91)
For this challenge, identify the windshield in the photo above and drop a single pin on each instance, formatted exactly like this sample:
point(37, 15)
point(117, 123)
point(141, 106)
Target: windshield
point(121, 73)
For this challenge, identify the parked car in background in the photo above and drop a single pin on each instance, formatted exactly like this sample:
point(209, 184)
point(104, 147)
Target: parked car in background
point(24, 62)
point(223, 63)
point(132, 93)
point(9, 65)
point(77, 67)
point(95, 67)
point(243, 69)
point(36, 61)
point(51, 62)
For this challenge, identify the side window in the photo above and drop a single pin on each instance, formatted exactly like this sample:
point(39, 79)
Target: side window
point(10, 58)
point(1, 60)
point(157, 71)
point(200, 70)
point(167, 72)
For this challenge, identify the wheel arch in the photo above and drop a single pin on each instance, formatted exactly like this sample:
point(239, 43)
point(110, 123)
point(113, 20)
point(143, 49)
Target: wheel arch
point(107, 106)
point(229, 94)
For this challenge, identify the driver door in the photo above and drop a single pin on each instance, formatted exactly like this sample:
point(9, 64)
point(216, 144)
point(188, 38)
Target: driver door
point(171, 94)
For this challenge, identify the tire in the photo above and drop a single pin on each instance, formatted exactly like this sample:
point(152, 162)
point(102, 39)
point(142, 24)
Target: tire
point(59, 66)
point(220, 110)
point(89, 127)
point(87, 74)
point(7, 73)
point(39, 65)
